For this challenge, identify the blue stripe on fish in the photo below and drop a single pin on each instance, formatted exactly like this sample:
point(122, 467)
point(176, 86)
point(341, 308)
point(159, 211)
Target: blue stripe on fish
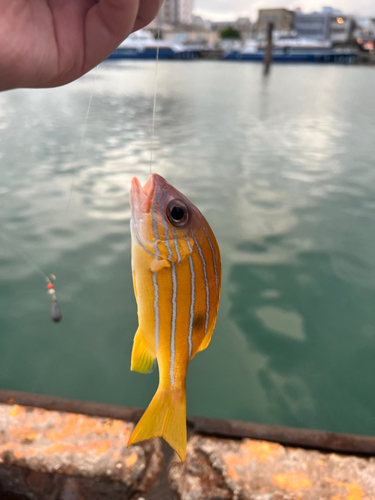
point(174, 317)
point(176, 245)
point(192, 302)
point(205, 281)
point(155, 281)
point(156, 310)
point(214, 259)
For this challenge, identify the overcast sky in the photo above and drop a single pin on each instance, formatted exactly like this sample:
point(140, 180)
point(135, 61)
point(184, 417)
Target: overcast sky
point(229, 9)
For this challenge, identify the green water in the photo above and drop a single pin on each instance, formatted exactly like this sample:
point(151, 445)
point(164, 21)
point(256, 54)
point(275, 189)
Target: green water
point(284, 171)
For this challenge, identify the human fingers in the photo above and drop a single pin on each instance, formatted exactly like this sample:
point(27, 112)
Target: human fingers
point(147, 11)
point(107, 24)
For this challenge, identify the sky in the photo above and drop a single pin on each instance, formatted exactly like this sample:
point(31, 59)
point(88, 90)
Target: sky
point(217, 10)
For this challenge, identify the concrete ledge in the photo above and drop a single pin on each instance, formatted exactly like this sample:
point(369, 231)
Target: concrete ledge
point(306, 438)
point(50, 454)
point(261, 470)
point(44, 453)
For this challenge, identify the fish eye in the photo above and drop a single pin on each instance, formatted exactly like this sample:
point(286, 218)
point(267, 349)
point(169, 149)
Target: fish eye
point(178, 213)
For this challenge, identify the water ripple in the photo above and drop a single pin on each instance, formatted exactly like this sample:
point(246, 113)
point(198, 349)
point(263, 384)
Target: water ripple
point(283, 170)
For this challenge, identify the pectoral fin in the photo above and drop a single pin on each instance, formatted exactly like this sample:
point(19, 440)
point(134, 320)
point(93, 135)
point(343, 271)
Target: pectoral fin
point(143, 360)
point(158, 264)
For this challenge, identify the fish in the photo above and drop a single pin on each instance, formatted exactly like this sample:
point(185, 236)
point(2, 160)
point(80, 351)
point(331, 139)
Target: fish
point(176, 270)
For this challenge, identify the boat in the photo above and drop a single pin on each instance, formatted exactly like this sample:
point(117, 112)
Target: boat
point(295, 50)
point(142, 45)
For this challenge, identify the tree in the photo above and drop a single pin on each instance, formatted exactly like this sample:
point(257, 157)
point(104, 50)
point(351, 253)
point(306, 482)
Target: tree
point(230, 32)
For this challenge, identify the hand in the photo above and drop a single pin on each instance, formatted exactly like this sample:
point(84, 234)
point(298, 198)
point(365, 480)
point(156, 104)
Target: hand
point(46, 43)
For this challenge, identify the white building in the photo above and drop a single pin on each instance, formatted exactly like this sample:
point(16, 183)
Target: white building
point(185, 11)
point(341, 29)
point(325, 26)
point(365, 28)
point(176, 11)
point(168, 12)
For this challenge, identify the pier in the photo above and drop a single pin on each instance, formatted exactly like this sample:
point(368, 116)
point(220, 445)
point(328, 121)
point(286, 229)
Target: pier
point(57, 449)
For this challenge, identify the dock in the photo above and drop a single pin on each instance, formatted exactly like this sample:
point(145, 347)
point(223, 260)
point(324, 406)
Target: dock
point(58, 449)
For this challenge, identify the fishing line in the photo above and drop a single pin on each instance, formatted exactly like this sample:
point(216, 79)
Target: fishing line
point(21, 252)
point(55, 312)
point(13, 246)
point(155, 96)
point(82, 138)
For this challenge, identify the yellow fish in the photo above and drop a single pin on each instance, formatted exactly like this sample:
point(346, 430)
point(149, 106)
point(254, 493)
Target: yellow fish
point(177, 281)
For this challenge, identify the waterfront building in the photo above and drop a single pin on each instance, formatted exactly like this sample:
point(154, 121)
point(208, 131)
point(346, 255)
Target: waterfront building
point(325, 25)
point(243, 25)
point(199, 21)
point(185, 11)
point(341, 29)
point(222, 25)
point(241, 22)
point(331, 11)
point(168, 12)
point(176, 12)
point(192, 35)
point(315, 25)
point(282, 20)
point(365, 30)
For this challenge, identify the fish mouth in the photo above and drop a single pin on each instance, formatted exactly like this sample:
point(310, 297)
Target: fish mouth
point(141, 196)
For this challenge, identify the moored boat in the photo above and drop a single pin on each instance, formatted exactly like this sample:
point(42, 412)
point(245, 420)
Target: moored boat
point(295, 50)
point(142, 45)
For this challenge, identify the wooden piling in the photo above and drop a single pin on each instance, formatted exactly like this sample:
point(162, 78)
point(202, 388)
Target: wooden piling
point(268, 52)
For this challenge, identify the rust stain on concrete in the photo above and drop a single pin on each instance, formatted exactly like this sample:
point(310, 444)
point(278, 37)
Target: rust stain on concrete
point(17, 411)
point(260, 450)
point(18, 454)
point(24, 434)
point(34, 431)
point(231, 462)
point(354, 491)
point(79, 447)
point(292, 481)
point(52, 441)
point(131, 459)
point(254, 470)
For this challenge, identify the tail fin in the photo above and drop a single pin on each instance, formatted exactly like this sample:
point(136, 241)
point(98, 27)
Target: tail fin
point(165, 417)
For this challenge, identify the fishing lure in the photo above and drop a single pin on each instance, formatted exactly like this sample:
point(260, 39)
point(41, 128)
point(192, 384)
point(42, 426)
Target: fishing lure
point(56, 315)
point(177, 280)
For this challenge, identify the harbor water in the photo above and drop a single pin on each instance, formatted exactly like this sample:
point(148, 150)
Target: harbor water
point(282, 168)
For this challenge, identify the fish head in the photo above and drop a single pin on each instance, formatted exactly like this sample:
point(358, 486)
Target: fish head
point(164, 221)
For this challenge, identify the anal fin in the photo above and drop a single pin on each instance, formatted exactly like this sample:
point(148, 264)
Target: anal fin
point(206, 341)
point(143, 360)
point(135, 287)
